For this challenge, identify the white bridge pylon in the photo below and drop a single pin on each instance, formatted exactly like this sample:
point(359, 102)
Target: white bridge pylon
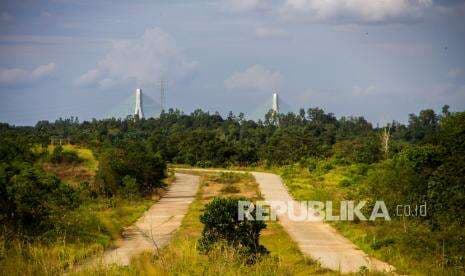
point(275, 104)
point(138, 109)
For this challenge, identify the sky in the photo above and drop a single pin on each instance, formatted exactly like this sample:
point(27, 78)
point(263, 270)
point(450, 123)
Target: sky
point(381, 59)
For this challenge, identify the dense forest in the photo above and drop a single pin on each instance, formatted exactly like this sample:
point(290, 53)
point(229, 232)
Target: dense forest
point(204, 139)
point(422, 161)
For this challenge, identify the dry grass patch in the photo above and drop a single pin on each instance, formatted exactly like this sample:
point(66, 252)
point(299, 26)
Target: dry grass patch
point(70, 173)
point(74, 174)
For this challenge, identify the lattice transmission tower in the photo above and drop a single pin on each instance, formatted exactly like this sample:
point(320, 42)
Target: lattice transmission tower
point(162, 94)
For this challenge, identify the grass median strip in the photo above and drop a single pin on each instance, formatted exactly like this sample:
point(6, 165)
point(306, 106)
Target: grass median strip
point(181, 257)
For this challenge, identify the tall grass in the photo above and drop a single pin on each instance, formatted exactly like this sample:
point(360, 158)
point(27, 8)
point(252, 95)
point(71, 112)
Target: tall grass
point(232, 177)
point(407, 244)
point(85, 154)
point(80, 234)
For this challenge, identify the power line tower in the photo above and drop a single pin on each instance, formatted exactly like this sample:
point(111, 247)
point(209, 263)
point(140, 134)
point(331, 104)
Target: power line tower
point(162, 94)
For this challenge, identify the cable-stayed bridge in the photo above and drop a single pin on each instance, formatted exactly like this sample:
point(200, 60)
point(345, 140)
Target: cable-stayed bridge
point(143, 105)
point(274, 103)
point(137, 104)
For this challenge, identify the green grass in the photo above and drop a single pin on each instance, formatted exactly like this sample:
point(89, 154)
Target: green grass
point(232, 177)
point(73, 173)
point(77, 235)
point(94, 226)
point(407, 244)
point(85, 154)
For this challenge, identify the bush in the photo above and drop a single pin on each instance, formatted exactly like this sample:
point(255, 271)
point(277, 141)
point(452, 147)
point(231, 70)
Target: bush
point(359, 169)
point(327, 167)
point(311, 167)
point(204, 164)
point(129, 188)
point(310, 163)
point(345, 182)
point(133, 159)
point(360, 150)
point(86, 191)
point(229, 177)
point(32, 200)
point(423, 159)
point(70, 157)
point(230, 189)
point(376, 245)
point(57, 154)
point(221, 224)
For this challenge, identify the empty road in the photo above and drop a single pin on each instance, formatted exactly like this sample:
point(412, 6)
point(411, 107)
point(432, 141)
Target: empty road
point(315, 239)
point(155, 228)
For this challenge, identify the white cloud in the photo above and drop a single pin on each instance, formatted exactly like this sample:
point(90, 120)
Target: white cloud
point(139, 62)
point(17, 76)
point(359, 91)
point(255, 77)
point(355, 11)
point(263, 32)
point(89, 78)
point(43, 71)
point(247, 5)
point(455, 73)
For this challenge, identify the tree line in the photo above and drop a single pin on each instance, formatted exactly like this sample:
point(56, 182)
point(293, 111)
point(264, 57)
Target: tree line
point(426, 156)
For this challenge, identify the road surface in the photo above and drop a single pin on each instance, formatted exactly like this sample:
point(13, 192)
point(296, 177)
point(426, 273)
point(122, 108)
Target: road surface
point(315, 239)
point(154, 229)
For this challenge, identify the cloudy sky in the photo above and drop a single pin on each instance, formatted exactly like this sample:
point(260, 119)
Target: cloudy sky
point(382, 59)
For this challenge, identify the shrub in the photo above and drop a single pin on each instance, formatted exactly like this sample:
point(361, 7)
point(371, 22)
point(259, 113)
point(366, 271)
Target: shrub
point(359, 169)
point(423, 159)
point(345, 182)
point(129, 159)
point(311, 164)
point(32, 200)
point(70, 156)
point(230, 189)
point(360, 150)
point(86, 190)
point(222, 224)
point(57, 154)
point(327, 167)
point(382, 243)
point(204, 164)
point(129, 188)
point(229, 177)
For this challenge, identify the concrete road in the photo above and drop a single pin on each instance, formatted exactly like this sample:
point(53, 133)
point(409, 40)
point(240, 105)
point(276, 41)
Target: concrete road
point(154, 229)
point(315, 239)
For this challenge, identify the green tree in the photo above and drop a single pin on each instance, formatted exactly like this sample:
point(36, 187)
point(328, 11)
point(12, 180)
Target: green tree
point(221, 223)
point(32, 200)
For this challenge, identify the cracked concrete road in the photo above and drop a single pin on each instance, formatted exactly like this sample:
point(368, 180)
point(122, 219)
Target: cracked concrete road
point(315, 239)
point(154, 229)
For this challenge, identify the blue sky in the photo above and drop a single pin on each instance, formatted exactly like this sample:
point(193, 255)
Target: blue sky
point(380, 59)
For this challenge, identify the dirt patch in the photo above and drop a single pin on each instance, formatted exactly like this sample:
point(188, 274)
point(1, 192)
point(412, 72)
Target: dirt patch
point(70, 173)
